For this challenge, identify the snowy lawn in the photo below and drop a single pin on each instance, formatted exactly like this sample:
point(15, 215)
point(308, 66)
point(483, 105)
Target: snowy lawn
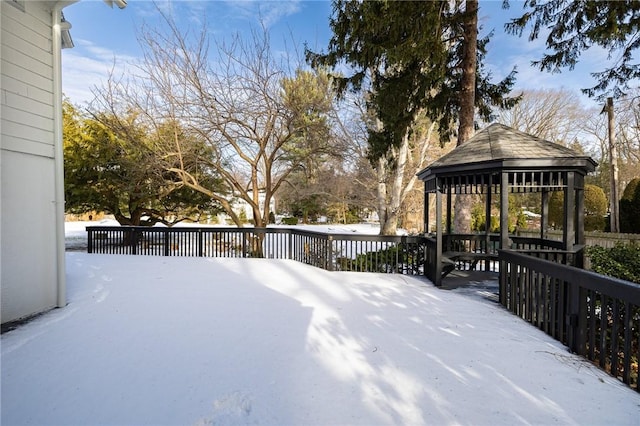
point(180, 341)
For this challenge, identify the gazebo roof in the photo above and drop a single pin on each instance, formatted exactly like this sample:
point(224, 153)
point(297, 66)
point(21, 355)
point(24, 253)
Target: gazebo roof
point(498, 147)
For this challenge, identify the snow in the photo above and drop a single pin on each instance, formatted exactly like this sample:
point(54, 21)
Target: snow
point(193, 341)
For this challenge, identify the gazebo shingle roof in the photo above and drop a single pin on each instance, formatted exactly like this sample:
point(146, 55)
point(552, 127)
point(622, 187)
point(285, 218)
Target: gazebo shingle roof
point(498, 143)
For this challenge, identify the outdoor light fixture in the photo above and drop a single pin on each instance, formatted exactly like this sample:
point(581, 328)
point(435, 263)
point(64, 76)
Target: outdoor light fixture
point(120, 3)
point(65, 35)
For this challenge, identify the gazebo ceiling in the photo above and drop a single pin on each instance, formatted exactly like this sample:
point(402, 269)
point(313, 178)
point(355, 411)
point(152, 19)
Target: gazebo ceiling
point(499, 147)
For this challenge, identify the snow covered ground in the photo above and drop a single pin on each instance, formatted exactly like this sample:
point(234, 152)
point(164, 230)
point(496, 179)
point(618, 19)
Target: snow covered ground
point(195, 341)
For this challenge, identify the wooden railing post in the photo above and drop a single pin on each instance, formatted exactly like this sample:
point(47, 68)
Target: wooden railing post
point(502, 289)
point(89, 240)
point(134, 241)
point(330, 253)
point(576, 318)
point(166, 242)
point(244, 243)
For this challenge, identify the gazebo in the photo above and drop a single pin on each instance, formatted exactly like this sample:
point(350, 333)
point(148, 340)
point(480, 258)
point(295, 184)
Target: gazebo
point(497, 161)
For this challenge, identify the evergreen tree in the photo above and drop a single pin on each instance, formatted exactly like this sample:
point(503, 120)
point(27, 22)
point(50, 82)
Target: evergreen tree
point(577, 25)
point(630, 208)
point(121, 173)
point(595, 207)
point(411, 57)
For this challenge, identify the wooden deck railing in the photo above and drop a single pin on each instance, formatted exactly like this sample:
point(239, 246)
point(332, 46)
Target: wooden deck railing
point(594, 315)
point(413, 255)
point(351, 252)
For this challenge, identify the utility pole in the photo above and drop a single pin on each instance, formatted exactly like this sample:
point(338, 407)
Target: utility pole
point(614, 215)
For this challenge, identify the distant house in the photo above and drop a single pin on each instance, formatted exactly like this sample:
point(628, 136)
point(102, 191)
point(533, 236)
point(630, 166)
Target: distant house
point(32, 266)
point(242, 208)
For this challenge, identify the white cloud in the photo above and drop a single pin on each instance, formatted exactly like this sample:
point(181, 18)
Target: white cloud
point(87, 66)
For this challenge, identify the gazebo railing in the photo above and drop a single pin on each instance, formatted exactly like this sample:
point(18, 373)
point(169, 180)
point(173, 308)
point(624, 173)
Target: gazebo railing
point(480, 251)
point(472, 251)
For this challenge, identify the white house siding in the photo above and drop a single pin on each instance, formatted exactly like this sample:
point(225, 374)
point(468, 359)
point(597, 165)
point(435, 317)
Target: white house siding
point(27, 167)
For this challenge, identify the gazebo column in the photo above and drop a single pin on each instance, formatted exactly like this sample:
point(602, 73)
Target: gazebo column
point(544, 219)
point(487, 222)
point(580, 237)
point(449, 203)
point(425, 210)
point(504, 210)
point(569, 228)
point(438, 268)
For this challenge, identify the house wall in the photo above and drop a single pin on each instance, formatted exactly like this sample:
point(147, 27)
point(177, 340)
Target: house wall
point(239, 205)
point(27, 168)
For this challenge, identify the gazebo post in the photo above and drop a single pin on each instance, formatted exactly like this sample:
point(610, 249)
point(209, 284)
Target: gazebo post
point(504, 210)
point(487, 221)
point(438, 268)
point(544, 219)
point(568, 232)
point(449, 209)
point(425, 210)
point(580, 237)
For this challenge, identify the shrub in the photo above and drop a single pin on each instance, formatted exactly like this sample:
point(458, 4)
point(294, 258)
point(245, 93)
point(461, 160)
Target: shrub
point(621, 261)
point(290, 220)
point(595, 208)
point(630, 208)
point(595, 223)
point(388, 260)
point(478, 219)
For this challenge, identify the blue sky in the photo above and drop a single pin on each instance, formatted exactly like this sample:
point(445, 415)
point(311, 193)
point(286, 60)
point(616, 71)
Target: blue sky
point(106, 38)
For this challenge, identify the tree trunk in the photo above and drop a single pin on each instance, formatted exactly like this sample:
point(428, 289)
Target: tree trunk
point(381, 172)
point(394, 178)
point(614, 214)
point(462, 215)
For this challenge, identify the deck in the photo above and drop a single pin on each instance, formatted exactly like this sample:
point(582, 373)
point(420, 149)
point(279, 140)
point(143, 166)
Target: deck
point(478, 283)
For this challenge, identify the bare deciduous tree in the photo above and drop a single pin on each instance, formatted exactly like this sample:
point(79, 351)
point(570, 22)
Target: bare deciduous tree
point(259, 122)
point(396, 181)
point(394, 176)
point(554, 115)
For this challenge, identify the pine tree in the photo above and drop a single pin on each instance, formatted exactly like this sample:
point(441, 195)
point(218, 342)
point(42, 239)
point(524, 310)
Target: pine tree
point(408, 57)
point(577, 25)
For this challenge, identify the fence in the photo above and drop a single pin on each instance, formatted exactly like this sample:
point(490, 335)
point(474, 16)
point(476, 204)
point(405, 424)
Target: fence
point(594, 315)
point(343, 252)
point(592, 238)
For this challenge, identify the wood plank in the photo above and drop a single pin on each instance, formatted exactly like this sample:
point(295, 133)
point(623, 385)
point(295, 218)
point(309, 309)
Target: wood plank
point(23, 89)
point(25, 146)
point(17, 116)
point(24, 46)
point(27, 76)
point(26, 104)
point(27, 132)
